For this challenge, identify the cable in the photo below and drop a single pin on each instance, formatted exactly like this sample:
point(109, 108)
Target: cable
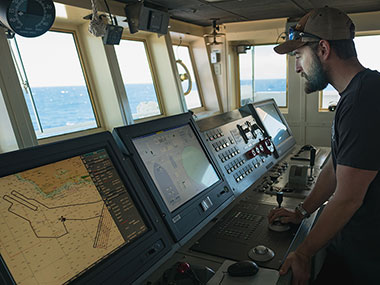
point(221, 280)
point(97, 27)
point(109, 11)
point(180, 42)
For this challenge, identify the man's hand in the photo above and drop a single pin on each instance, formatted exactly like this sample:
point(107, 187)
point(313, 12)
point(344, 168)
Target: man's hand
point(300, 265)
point(285, 216)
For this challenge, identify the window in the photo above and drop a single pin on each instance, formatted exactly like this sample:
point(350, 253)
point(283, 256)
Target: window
point(193, 99)
point(366, 48)
point(137, 78)
point(263, 75)
point(54, 84)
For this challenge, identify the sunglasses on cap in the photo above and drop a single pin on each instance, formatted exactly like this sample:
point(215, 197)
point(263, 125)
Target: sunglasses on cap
point(296, 35)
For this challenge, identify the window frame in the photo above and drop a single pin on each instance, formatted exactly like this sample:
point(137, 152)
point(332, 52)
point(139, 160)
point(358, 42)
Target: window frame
point(197, 78)
point(98, 127)
point(152, 70)
point(283, 109)
point(320, 93)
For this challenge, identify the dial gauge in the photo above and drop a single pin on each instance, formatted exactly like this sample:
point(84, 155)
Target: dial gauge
point(28, 18)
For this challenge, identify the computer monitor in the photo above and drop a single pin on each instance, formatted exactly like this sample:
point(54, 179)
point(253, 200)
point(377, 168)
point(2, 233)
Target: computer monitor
point(271, 119)
point(182, 176)
point(75, 211)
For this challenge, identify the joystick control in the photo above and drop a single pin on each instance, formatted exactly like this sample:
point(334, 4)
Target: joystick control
point(312, 161)
point(277, 226)
point(279, 198)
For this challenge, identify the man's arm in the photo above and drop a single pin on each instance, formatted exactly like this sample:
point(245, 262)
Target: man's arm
point(351, 187)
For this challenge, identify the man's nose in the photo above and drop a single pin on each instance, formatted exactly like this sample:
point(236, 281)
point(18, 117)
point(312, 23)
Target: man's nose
point(298, 67)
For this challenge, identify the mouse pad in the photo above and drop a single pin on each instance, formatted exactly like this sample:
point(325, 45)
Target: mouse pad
point(263, 276)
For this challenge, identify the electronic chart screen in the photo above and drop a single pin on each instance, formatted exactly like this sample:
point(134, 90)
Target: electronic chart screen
point(272, 122)
point(177, 164)
point(60, 219)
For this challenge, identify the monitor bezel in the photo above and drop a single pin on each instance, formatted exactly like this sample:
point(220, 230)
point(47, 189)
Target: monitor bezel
point(117, 266)
point(125, 136)
point(285, 146)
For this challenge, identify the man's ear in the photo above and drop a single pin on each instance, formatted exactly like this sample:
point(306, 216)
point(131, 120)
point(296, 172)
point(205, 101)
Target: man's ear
point(324, 49)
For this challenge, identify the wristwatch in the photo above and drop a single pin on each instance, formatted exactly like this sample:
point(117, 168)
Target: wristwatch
point(302, 210)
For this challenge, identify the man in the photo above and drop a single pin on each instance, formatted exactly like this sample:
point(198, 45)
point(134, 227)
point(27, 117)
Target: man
point(349, 225)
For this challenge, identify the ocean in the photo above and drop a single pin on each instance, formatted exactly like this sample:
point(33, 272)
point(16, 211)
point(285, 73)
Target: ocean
point(65, 109)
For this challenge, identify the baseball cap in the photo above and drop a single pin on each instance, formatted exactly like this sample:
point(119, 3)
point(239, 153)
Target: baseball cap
point(323, 23)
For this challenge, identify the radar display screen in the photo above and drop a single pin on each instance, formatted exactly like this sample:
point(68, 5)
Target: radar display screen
point(177, 164)
point(273, 123)
point(60, 219)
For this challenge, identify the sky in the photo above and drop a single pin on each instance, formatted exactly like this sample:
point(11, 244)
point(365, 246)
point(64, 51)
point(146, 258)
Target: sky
point(52, 60)
point(270, 65)
point(133, 62)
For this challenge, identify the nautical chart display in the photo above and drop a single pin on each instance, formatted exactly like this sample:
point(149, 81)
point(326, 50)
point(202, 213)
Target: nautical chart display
point(59, 219)
point(177, 164)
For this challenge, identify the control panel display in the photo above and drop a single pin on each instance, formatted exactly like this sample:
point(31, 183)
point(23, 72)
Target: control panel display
point(243, 151)
point(59, 219)
point(177, 164)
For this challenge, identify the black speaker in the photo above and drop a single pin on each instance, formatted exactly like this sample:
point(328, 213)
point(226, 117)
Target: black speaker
point(144, 18)
point(133, 13)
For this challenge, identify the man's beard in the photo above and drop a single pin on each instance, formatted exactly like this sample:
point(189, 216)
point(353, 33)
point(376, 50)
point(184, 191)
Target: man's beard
point(317, 79)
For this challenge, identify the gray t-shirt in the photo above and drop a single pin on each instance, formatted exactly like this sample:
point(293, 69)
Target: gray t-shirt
point(356, 143)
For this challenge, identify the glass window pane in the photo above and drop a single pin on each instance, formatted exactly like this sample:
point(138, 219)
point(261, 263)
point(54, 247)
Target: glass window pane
point(245, 71)
point(269, 73)
point(137, 79)
point(57, 84)
point(193, 99)
point(366, 48)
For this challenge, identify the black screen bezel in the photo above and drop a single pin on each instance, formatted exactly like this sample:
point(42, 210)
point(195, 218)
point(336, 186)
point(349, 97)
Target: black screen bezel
point(117, 265)
point(125, 135)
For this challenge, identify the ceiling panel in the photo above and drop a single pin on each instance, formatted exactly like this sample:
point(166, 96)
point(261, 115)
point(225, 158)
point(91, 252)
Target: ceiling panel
point(201, 11)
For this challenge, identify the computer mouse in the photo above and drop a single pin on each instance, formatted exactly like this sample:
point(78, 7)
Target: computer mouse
point(243, 268)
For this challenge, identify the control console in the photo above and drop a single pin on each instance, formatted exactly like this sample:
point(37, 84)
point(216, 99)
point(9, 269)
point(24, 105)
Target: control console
point(295, 178)
point(242, 150)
